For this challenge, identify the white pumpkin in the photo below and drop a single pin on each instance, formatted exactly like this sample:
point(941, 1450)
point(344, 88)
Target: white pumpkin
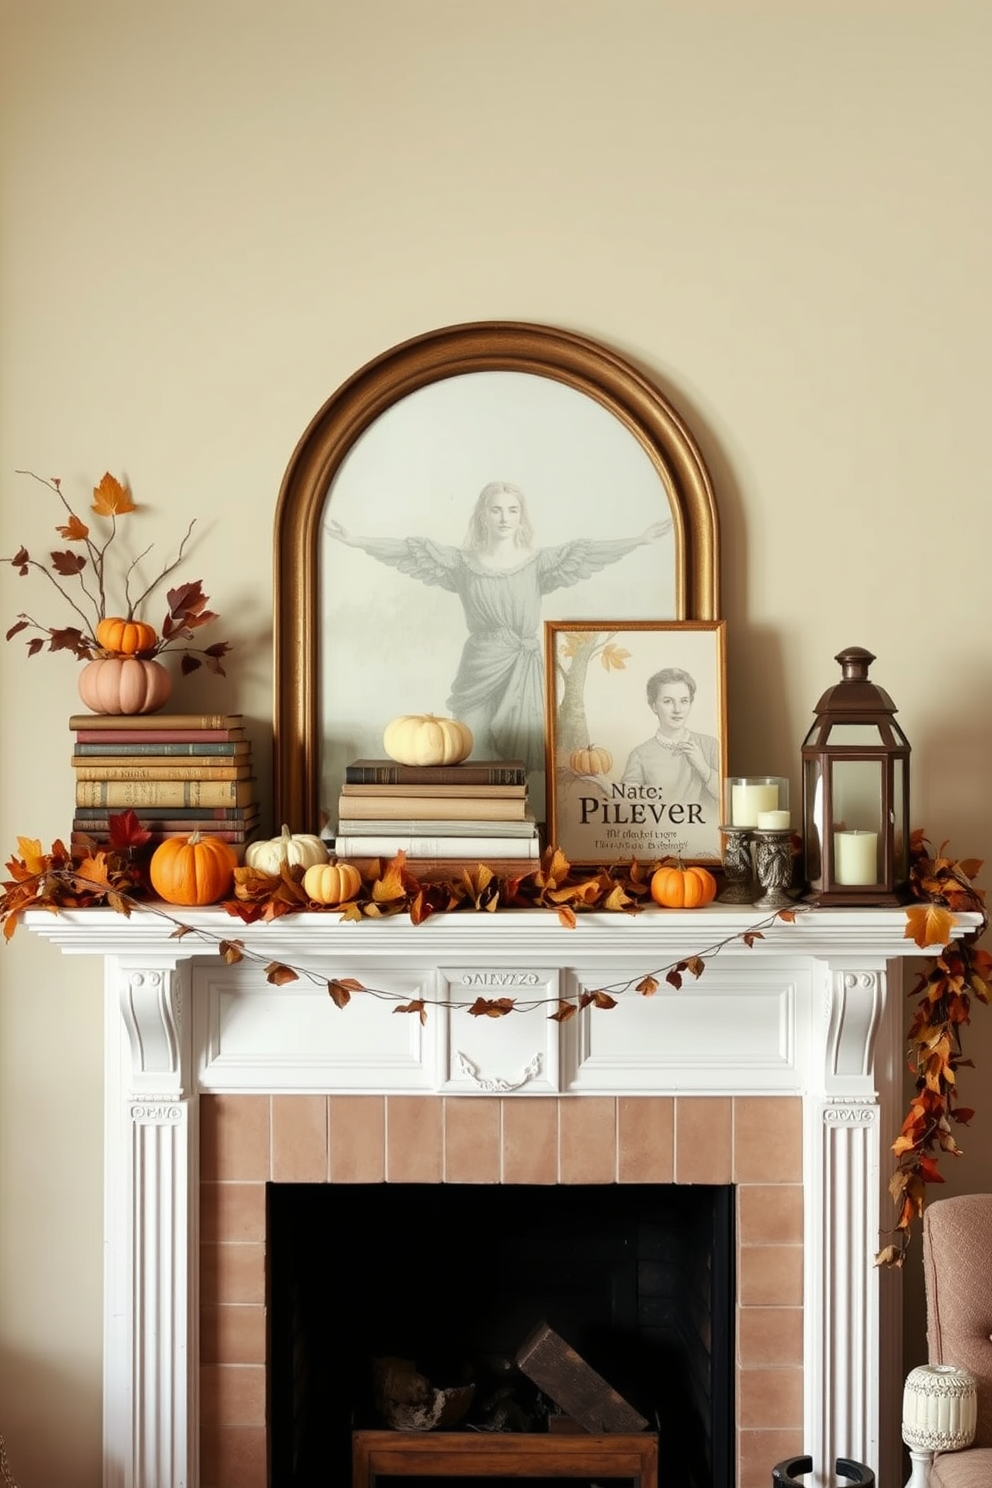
point(424, 739)
point(290, 847)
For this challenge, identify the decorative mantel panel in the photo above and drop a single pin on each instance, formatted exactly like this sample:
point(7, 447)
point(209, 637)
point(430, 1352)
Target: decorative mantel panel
point(810, 1009)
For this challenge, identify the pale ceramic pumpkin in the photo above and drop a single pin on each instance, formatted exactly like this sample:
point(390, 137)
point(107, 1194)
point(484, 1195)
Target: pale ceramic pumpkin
point(424, 739)
point(331, 883)
point(124, 684)
point(294, 848)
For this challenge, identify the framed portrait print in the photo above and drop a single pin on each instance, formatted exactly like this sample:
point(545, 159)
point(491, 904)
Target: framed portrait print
point(637, 739)
point(450, 497)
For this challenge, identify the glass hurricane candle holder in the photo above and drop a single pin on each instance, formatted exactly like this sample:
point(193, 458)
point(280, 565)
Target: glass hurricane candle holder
point(746, 797)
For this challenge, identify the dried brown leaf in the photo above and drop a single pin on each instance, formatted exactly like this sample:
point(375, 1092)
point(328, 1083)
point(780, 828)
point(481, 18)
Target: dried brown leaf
point(279, 974)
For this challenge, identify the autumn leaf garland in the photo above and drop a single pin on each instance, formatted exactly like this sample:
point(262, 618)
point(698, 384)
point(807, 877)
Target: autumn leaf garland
point(114, 873)
point(960, 971)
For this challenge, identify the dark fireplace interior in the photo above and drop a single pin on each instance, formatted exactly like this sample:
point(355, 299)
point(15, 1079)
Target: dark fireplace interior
point(638, 1280)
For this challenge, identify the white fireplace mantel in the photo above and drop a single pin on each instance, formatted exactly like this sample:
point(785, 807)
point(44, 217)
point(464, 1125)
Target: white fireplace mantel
point(811, 1008)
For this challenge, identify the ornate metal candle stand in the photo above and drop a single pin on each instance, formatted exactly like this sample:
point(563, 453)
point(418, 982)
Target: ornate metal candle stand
point(738, 868)
point(773, 866)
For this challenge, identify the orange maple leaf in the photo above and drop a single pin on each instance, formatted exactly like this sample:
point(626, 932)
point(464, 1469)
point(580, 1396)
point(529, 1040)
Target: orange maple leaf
point(74, 530)
point(928, 925)
point(92, 874)
point(111, 499)
point(32, 857)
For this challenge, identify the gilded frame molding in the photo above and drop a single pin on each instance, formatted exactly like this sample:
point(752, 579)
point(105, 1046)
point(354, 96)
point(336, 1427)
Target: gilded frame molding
point(482, 346)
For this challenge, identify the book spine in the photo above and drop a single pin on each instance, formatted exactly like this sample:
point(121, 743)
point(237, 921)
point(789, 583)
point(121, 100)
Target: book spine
point(374, 772)
point(105, 770)
point(130, 748)
point(434, 847)
point(458, 792)
point(225, 834)
point(456, 808)
point(185, 815)
point(203, 823)
point(429, 826)
point(141, 722)
point(138, 793)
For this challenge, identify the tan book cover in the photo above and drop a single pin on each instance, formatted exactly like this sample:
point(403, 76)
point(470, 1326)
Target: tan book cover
point(442, 792)
point(155, 720)
point(129, 769)
point(431, 808)
point(139, 793)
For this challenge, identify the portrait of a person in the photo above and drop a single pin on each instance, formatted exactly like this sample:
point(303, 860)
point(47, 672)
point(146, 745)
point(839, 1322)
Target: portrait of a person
point(682, 764)
point(501, 577)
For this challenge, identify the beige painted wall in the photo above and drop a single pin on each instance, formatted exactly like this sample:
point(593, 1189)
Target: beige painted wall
point(213, 211)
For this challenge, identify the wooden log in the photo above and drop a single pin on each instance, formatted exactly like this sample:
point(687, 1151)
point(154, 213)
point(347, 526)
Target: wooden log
point(576, 1388)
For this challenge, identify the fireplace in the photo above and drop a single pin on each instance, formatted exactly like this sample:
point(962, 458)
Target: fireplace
point(778, 1073)
point(454, 1279)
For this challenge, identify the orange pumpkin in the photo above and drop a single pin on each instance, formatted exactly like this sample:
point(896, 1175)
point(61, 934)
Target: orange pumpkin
point(192, 870)
point(591, 761)
point(125, 637)
point(124, 684)
point(682, 888)
point(331, 883)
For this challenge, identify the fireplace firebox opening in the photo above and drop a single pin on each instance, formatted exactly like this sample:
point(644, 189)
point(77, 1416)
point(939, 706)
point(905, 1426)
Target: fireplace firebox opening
point(453, 1278)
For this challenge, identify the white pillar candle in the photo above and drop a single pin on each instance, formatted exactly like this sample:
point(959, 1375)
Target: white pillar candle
point(855, 857)
point(774, 821)
point(747, 799)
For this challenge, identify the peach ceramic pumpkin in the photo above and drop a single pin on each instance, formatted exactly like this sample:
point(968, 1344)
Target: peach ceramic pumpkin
point(425, 739)
point(682, 888)
point(125, 637)
point(591, 761)
point(192, 870)
point(124, 684)
point(331, 883)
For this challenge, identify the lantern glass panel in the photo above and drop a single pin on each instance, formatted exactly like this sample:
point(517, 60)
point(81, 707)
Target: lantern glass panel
point(855, 736)
point(900, 827)
point(856, 795)
point(813, 825)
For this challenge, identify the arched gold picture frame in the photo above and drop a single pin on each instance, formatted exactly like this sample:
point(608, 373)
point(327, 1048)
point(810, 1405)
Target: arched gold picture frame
point(357, 412)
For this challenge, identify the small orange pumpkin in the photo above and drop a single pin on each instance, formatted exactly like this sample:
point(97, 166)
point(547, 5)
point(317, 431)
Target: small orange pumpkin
point(192, 870)
point(124, 684)
point(331, 883)
point(591, 761)
point(682, 888)
point(125, 637)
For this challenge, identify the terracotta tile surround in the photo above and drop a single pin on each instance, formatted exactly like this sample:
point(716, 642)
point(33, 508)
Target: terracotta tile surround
point(247, 1140)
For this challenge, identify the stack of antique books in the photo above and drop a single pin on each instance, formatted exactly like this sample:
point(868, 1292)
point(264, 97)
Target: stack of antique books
point(444, 817)
point(178, 773)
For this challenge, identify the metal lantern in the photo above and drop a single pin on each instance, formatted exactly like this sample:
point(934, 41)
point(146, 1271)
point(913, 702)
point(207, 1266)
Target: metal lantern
point(856, 793)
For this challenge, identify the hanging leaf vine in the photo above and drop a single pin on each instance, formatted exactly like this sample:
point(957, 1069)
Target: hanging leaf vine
point(943, 991)
point(114, 873)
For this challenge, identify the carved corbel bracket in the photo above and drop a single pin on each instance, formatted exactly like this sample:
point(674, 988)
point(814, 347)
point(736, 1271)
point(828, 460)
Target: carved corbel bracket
point(153, 1001)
